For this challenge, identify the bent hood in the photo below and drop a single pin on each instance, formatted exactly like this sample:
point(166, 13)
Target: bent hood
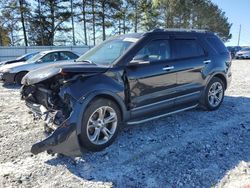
point(47, 72)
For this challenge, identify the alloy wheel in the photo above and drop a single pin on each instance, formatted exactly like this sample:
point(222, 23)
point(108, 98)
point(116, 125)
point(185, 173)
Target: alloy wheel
point(102, 125)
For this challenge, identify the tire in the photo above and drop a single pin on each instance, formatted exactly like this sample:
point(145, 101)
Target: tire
point(19, 77)
point(214, 94)
point(93, 122)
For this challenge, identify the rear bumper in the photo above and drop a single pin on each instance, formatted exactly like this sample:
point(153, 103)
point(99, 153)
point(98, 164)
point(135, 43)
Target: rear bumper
point(7, 77)
point(63, 140)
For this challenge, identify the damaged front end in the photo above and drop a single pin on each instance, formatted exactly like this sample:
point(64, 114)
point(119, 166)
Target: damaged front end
point(48, 95)
point(60, 120)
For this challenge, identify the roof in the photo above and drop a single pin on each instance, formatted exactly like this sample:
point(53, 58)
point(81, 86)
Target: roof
point(49, 51)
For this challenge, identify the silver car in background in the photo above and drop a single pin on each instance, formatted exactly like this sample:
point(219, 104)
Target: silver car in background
point(13, 73)
point(243, 54)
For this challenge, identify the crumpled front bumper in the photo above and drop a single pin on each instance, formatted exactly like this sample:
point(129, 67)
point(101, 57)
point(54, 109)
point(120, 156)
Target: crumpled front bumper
point(63, 140)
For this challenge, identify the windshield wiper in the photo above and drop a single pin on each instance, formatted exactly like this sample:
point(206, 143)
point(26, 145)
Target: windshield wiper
point(87, 61)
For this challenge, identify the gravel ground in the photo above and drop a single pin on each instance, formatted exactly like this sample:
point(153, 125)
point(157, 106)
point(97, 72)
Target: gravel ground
point(191, 149)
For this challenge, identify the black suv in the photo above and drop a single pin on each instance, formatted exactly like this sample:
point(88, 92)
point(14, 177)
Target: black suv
point(131, 78)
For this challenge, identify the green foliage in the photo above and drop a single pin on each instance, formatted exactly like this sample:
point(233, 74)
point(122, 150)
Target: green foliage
point(47, 20)
point(197, 14)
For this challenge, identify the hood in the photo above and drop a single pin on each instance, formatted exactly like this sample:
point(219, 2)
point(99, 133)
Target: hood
point(45, 73)
point(12, 65)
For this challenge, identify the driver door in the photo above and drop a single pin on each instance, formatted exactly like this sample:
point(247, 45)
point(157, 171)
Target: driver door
point(153, 80)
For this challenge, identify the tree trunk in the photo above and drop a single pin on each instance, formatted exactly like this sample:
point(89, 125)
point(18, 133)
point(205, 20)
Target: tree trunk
point(124, 23)
point(103, 21)
point(52, 12)
point(136, 16)
point(40, 20)
point(93, 20)
point(72, 22)
point(84, 21)
point(22, 20)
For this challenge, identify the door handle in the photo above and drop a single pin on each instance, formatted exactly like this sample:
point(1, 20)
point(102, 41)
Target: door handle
point(207, 61)
point(168, 68)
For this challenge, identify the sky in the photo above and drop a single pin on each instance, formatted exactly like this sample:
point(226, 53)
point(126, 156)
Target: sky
point(238, 13)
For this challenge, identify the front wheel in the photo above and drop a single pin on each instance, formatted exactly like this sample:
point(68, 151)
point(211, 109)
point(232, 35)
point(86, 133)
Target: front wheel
point(214, 94)
point(100, 124)
point(19, 77)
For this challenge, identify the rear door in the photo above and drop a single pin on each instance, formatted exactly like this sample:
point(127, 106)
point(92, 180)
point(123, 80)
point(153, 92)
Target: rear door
point(190, 60)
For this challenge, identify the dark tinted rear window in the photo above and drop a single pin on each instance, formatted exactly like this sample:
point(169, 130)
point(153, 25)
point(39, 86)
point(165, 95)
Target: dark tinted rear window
point(184, 48)
point(217, 44)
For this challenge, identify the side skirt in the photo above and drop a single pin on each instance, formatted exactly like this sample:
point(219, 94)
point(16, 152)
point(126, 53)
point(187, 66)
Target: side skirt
point(161, 115)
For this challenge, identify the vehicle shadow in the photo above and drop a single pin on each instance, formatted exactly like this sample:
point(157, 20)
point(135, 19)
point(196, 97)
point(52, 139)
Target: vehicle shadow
point(192, 149)
point(11, 86)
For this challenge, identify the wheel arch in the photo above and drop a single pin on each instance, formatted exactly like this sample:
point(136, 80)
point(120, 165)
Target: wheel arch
point(86, 101)
point(18, 73)
point(222, 77)
point(217, 75)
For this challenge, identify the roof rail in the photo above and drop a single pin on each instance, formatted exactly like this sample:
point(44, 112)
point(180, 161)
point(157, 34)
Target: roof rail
point(181, 30)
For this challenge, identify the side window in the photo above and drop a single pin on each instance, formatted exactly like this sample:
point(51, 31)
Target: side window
point(185, 48)
point(67, 56)
point(217, 44)
point(155, 51)
point(51, 57)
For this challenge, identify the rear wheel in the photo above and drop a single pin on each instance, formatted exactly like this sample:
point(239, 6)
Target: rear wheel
point(19, 77)
point(214, 94)
point(100, 124)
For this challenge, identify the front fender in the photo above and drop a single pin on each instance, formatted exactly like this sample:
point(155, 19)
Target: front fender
point(82, 104)
point(84, 90)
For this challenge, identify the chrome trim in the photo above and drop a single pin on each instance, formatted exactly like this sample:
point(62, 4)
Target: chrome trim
point(152, 104)
point(162, 115)
point(207, 61)
point(168, 68)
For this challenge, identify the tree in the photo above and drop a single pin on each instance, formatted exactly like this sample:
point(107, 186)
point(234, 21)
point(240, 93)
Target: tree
point(4, 38)
point(23, 9)
point(106, 10)
point(9, 21)
point(196, 14)
point(49, 17)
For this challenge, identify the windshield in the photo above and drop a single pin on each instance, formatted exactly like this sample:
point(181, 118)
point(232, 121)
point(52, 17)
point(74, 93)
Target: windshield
point(107, 52)
point(35, 58)
point(245, 49)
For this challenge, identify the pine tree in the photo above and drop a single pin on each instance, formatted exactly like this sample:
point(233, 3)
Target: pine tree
point(48, 19)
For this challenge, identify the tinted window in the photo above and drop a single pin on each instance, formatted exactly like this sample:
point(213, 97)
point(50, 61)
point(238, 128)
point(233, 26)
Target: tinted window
point(67, 56)
point(184, 48)
point(50, 57)
point(217, 44)
point(155, 51)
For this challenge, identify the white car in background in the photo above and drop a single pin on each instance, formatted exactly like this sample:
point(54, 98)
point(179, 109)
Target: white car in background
point(243, 54)
point(13, 73)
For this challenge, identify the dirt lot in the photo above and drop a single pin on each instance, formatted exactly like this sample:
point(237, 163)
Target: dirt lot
point(192, 149)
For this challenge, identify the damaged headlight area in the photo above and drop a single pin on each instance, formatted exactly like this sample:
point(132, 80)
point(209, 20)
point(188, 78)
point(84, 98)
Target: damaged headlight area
point(60, 120)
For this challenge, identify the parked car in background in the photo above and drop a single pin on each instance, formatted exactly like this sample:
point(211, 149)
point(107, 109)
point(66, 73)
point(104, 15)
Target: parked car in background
point(19, 59)
point(243, 54)
point(14, 73)
point(131, 78)
point(233, 50)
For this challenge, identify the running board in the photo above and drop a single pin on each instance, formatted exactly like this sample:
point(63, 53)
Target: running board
point(160, 116)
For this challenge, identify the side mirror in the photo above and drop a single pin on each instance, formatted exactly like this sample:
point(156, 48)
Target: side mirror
point(139, 59)
point(39, 61)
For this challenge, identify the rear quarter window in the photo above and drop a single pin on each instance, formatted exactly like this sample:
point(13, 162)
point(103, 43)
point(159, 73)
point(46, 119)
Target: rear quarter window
point(217, 44)
point(187, 48)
